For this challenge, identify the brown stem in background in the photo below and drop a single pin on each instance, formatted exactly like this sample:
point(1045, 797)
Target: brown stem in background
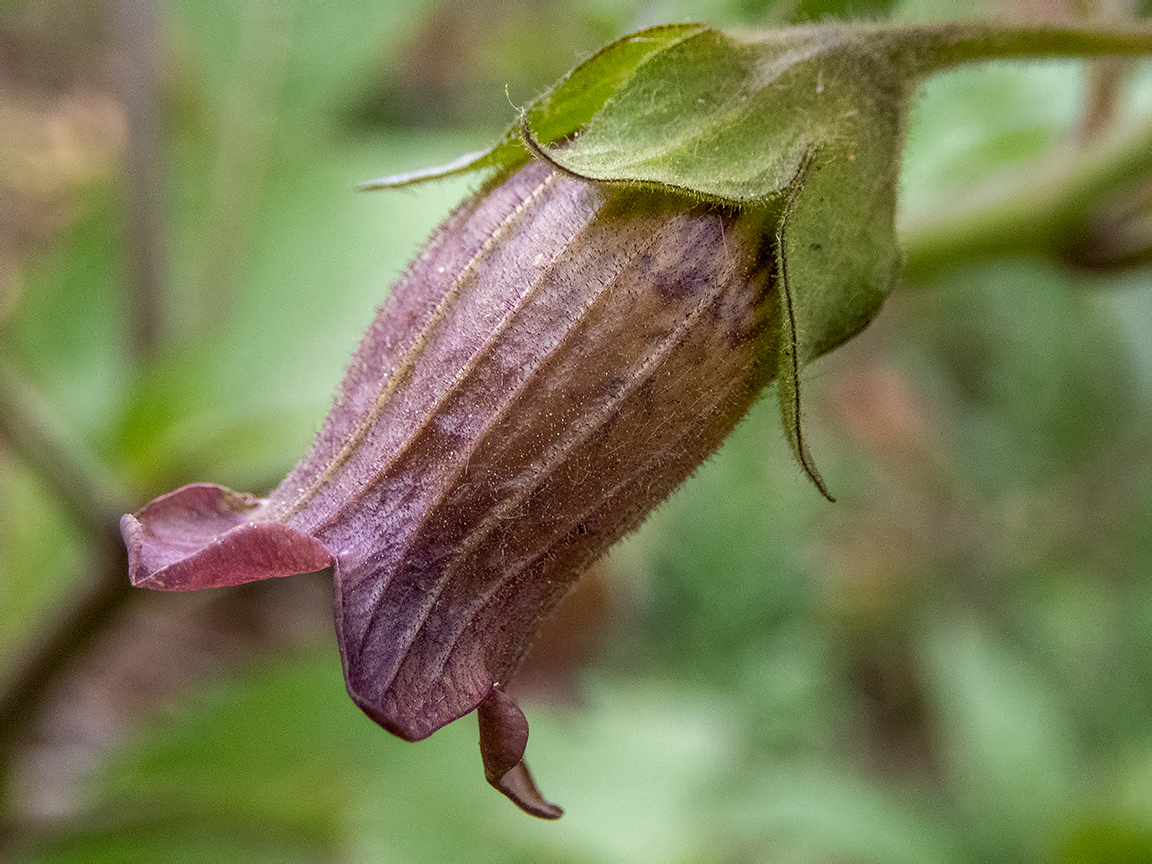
point(1105, 74)
point(91, 498)
point(137, 37)
point(89, 493)
point(90, 610)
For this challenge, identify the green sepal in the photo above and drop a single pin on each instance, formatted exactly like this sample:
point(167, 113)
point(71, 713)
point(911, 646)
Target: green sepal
point(563, 109)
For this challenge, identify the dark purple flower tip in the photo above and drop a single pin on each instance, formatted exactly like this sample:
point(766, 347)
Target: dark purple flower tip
point(207, 536)
point(503, 738)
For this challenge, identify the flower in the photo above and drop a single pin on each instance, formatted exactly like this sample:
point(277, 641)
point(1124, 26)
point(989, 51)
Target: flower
point(560, 356)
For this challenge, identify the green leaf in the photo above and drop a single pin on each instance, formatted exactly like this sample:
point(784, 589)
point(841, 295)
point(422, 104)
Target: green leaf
point(1012, 759)
point(809, 813)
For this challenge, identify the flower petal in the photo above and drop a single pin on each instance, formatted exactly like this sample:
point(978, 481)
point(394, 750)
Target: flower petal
point(205, 536)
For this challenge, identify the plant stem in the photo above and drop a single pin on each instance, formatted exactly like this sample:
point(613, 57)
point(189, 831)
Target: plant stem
point(137, 36)
point(86, 489)
point(924, 50)
point(246, 138)
point(91, 609)
point(1041, 211)
point(93, 499)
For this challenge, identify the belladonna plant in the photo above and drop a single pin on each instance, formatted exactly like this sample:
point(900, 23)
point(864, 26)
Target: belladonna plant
point(685, 217)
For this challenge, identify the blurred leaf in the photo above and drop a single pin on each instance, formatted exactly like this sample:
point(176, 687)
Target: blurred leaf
point(713, 601)
point(264, 768)
point(821, 10)
point(1107, 843)
point(815, 814)
point(1036, 366)
point(183, 839)
point(68, 331)
point(39, 558)
point(1011, 755)
point(972, 123)
point(282, 751)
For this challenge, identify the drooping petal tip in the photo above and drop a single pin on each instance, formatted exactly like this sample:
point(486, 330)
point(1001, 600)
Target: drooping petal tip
point(203, 536)
point(503, 738)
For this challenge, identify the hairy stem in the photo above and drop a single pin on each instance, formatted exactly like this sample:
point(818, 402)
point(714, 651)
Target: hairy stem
point(924, 50)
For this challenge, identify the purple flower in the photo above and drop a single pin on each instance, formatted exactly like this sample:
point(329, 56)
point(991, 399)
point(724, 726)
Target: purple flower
point(560, 356)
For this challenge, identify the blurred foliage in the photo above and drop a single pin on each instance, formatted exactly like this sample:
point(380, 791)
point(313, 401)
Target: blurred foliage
point(952, 663)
